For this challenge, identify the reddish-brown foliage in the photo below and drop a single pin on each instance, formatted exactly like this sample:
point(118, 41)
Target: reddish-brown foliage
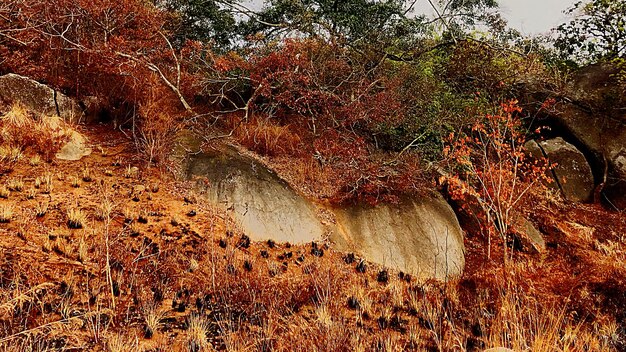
point(493, 171)
point(312, 99)
point(106, 48)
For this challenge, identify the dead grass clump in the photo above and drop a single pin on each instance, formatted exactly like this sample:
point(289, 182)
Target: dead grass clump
point(152, 318)
point(86, 175)
point(41, 209)
point(75, 181)
point(4, 192)
point(41, 135)
point(6, 213)
point(34, 160)
point(197, 328)
point(15, 184)
point(121, 343)
point(45, 183)
point(76, 218)
point(31, 193)
point(525, 325)
point(105, 209)
point(131, 172)
point(266, 137)
point(82, 250)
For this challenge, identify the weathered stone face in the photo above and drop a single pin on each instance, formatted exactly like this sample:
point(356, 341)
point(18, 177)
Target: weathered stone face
point(38, 97)
point(573, 175)
point(595, 115)
point(264, 205)
point(420, 236)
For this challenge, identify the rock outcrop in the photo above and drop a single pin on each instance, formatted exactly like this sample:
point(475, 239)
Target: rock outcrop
point(38, 97)
point(572, 174)
point(594, 115)
point(263, 204)
point(420, 235)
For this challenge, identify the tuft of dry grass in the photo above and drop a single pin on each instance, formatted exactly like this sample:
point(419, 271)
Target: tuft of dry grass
point(15, 184)
point(75, 181)
point(268, 138)
point(523, 325)
point(46, 183)
point(152, 319)
point(76, 218)
point(121, 343)
point(31, 193)
point(193, 265)
point(41, 135)
point(4, 192)
point(34, 160)
point(131, 171)
point(86, 174)
point(197, 328)
point(6, 213)
point(41, 209)
point(105, 209)
point(82, 251)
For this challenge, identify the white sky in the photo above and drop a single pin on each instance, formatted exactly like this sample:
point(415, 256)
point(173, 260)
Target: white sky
point(530, 17)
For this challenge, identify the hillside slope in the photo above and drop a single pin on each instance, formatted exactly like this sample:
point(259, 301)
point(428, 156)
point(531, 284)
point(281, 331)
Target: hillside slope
point(153, 267)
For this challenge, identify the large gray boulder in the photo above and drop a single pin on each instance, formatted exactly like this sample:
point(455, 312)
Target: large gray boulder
point(264, 205)
point(594, 114)
point(38, 97)
point(420, 236)
point(572, 174)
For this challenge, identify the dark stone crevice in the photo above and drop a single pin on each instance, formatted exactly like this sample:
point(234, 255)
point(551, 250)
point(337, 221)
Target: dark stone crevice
point(56, 103)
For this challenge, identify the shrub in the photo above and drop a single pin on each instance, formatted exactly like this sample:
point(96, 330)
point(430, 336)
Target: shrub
point(25, 132)
point(492, 170)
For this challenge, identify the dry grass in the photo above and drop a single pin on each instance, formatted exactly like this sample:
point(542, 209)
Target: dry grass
point(105, 209)
point(34, 160)
point(75, 181)
point(121, 343)
point(524, 325)
point(31, 193)
point(268, 138)
point(76, 218)
point(45, 183)
point(197, 328)
point(4, 192)
point(6, 213)
point(25, 132)
point(15, 184)
point(41, 209)
point(173, 287)
point(86, 175)
point(152, 318)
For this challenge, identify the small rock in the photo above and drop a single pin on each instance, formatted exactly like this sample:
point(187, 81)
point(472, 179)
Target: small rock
point(139, 189)
point(528, 236)
point(75, 149)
